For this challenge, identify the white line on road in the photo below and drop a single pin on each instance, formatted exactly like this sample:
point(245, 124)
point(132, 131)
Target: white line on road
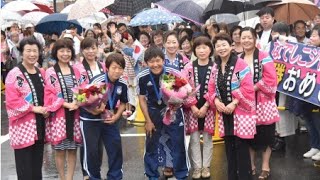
point(6, 137)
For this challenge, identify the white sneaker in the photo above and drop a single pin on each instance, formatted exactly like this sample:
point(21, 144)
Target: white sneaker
point(310, 153)
point(316, 157)
point(196, 174)
point(132, 117)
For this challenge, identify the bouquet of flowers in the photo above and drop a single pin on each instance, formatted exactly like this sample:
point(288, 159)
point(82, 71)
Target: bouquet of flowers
point(175, 91)
point(90, 96)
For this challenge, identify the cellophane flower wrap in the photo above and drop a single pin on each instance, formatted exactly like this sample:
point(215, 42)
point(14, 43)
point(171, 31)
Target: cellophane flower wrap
point(175, 91)
point(90, 96)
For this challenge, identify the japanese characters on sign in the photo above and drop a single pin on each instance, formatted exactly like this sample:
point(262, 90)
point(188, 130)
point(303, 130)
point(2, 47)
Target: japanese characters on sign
point(298, 70)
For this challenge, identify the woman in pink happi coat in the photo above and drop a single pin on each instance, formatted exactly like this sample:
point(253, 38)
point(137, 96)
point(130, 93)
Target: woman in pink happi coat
point(26, 113)
point(231, 92)
point(199, 118)
point(265, 86)
point(63, 127)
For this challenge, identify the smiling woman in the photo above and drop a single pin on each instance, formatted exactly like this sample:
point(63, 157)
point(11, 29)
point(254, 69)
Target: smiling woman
point(26, 113)
point(63, 126)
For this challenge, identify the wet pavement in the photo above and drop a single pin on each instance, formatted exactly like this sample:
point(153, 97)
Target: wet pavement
point(289, 165)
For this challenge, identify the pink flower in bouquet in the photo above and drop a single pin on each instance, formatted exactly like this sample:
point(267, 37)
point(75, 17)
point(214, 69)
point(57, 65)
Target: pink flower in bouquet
point(175, 90)
point(90, 96)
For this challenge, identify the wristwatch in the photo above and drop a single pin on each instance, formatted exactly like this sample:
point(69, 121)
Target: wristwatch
point(206, 105)
point(236, 104)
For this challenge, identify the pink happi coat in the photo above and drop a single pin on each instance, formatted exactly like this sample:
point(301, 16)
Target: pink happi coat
point(244, 114)
point(84, 77)
point(56, 124)
point(22, 120)
point(191, 123)
point(266, 109)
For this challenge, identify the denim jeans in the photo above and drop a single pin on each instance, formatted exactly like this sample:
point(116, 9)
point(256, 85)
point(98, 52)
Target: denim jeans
point(313, 126)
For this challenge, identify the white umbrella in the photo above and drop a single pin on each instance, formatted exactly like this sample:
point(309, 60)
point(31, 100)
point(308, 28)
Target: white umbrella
point(7, 16)
point(67, 9)
point(250, 22)
point(20, 6)
point(33, 17)
point(83, 8)
point(88, 21)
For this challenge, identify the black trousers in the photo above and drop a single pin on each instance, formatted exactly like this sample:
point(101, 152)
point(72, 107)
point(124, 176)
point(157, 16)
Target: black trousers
point(238, 157)
point(29, 161)
point(100, 151)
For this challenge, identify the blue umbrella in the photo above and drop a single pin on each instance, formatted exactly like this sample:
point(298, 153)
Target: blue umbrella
point(2, 3)
point(187, 9)
point(56, 23)
point(154, 17)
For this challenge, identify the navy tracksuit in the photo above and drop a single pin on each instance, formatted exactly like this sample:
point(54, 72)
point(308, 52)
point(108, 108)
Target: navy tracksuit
point(93, 129)
point(166, 147)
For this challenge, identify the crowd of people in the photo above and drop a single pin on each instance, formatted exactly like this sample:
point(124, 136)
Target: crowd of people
point(233, 68)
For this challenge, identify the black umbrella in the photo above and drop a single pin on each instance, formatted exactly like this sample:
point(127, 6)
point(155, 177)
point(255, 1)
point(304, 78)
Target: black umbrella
point(234, 6)
point(129, 7)
point(186, 9)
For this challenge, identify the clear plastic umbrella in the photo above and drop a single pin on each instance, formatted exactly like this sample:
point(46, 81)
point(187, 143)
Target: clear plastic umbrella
point(7, 16)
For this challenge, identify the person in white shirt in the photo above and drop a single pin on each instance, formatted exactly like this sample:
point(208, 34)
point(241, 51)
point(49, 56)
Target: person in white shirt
point(266, 15)
point(300, 29)
point(38, 36)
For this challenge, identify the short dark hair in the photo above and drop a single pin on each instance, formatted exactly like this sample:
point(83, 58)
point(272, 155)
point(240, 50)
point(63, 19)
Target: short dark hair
point(299, 22)
point(187, 30)
point(316, 28)
point(121, 24)
point(281, 27)
point(153, 52)
point(49, 42)
point(97, 24)
point(170, 33)
point(111, 22)
point(94, 34)
point(234, 28)
point(117, 58)
point(251, 30)
point(72, 26)
point(146, 34)
point(156, 33)
point(63, 43)
point(222, 37)
point(88, 42)
point(202, 40)
point(183, 39)
point(29, 41)
point(266, 10)
point(3, 34)
point(131, 32)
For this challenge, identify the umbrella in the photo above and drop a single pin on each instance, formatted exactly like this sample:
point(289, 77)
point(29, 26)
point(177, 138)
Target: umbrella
point(154, 17)
point(234, 6)
point(2, 3)
point(56, 23)
point(7, 16)
point(186, 9)
point(33, 17)
point(88, 21)
point(20, 6)
point(290, 11)
point(67, 9)
point(83, 8)
point(117, 19)
point(230, 19)
point(129, 7)
point(43, 5)
point(252, 22)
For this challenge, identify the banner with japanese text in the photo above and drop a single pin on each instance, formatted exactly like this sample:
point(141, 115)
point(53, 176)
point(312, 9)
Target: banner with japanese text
point(298, 70)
